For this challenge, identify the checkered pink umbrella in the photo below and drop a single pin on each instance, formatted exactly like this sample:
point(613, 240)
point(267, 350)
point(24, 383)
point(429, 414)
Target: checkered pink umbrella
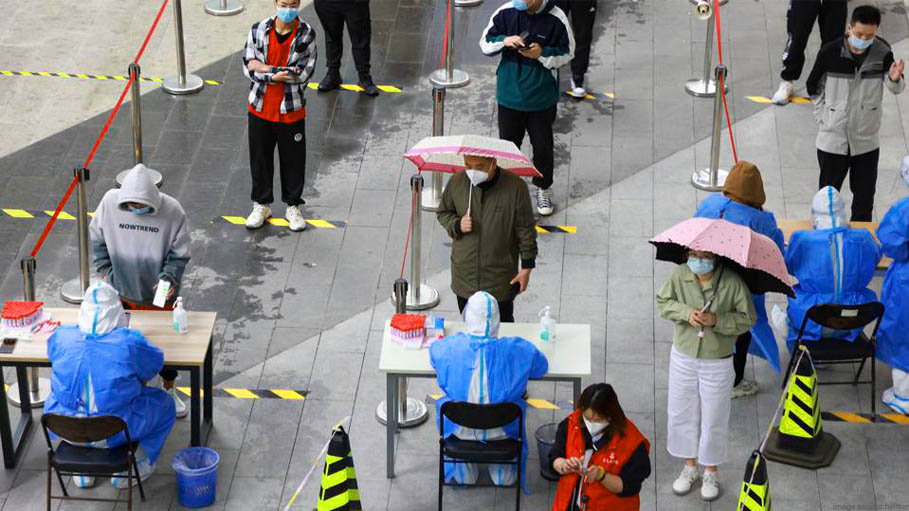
point(755, 257)
point(446, 154)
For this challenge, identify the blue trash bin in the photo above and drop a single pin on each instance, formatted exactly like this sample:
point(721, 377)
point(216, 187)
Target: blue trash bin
point(197, 476)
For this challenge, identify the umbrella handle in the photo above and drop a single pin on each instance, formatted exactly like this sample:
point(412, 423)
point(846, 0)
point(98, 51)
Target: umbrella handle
point(469, 199)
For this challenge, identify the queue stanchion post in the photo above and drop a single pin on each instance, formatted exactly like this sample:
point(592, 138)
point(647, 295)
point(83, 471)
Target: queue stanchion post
point(420, 296)
point(223, 7)
point(411, 412)
point(432, 196)
point(73, 290)
point(182, 83)
point(711, 179)
point(705, 87)
point(447, 77)
point(135, 104)
point(38, 388)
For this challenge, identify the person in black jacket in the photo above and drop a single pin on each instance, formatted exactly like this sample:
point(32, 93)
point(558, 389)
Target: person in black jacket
point(583, 14)
point(333, 14)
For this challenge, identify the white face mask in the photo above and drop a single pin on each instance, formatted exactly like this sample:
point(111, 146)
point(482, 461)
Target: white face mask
point(477, 176)
point(595, 428)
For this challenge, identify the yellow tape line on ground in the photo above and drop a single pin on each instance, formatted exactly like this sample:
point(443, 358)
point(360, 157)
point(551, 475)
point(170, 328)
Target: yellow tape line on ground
point(356, 88)
point(84, 76)
point(799, 100)
point(236, 393)
point(602, 96)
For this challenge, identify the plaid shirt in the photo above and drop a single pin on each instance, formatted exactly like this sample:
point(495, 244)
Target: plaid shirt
point(302, 59)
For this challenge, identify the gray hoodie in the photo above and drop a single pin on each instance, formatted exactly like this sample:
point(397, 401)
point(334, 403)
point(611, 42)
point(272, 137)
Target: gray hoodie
point(135, 251)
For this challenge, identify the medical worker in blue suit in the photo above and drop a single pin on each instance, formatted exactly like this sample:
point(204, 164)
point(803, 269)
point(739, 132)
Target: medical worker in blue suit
point(893, 337)
point(833, 264)
point(479, 367)
point(742, 203)
point(99, 368)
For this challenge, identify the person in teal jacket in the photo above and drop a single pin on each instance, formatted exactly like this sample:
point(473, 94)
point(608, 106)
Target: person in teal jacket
point(742, 203)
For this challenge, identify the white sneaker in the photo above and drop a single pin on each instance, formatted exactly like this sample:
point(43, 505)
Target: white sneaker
point(745, 388)
point(710, 486)
point(682, 485)
point(145, 470)
point(896, 403)
point(295, 219)
point(544, 202)
point(83, 481)
point(578, 90)
point(781, 96)
point(179, 405)
point(260, 213)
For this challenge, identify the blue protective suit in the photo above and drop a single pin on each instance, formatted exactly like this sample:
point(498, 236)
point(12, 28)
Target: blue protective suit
point(762, 222)
point(101, 375)
point(832, 266)
point(479, 367)
point(893, 337)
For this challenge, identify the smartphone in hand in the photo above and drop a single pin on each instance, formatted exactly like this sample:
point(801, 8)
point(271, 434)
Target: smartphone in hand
point(524, 35)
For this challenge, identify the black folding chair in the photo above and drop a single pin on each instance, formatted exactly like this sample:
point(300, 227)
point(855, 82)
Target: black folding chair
point(832, 351)
point(70, 460)
point(475, 416)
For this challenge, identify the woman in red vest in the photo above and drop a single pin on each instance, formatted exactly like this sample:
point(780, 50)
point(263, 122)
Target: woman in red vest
point(601, 456)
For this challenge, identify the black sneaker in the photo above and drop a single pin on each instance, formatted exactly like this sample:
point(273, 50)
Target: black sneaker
point(369, 88)
point(331, 82)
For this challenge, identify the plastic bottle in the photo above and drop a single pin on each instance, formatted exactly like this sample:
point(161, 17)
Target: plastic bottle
point(547, 326)
point(180, 321)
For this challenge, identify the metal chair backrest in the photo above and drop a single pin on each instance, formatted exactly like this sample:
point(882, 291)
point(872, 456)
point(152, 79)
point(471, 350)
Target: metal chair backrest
point(844, 317)
point(83, 430)
point(480, 416)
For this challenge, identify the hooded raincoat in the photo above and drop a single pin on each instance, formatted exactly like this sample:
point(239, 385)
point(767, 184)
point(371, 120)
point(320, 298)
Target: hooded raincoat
point(133, 250)
point(98, 369)
point(833, 264)
point(480, 367)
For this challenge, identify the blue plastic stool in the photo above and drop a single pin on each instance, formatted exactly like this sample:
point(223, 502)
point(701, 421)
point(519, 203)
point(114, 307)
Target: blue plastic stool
point(197, 476)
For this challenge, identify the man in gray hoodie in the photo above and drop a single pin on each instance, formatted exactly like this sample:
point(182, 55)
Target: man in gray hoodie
point(139, 237)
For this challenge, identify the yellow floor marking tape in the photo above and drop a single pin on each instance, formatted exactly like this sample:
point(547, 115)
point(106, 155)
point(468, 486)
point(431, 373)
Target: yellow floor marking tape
point(799, 100)
point(18, 213)
point(540, 404)
point(866, 418)
point(592, 95)
point(557, 229)
point(62, 216)
point(356, 88)
point(234, 393)
point(83, 76)
point(280, 222)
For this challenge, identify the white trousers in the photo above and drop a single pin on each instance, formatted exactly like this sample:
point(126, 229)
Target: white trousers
point(700, 401)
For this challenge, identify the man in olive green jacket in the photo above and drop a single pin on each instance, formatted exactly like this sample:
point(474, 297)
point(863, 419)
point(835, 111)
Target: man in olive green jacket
point(487, 213)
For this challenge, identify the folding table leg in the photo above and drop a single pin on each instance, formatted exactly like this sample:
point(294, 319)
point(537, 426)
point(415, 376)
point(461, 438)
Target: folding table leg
point(12, 442)
point(195, 404)
point(207, 394)
point(391, 422)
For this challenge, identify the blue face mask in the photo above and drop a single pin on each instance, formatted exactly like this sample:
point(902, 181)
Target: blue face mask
point(288, 14)
point(700, 266)
point(520, 5)
point(142, 211)
point(860, 44)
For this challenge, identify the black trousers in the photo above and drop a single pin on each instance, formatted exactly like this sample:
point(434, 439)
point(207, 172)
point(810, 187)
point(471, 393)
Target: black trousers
point(333, 14)
point(831, 20)
point(538, 125)
point(740, 357)
point(583, 14)
point(506, 309)
point(291, 142)
point(862, 170)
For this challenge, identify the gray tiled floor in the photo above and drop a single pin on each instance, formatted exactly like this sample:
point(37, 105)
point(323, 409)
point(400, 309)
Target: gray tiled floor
point(304, 311)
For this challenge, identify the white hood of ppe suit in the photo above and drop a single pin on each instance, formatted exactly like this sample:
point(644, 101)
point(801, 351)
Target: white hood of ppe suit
point(138, 186)
point(828, 210)
point(481, 314)
point(101, 310)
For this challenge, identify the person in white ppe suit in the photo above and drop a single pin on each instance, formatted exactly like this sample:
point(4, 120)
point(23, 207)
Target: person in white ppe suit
point(833, 264)
point(479, 367)
point(100, 368)
point(893, 337)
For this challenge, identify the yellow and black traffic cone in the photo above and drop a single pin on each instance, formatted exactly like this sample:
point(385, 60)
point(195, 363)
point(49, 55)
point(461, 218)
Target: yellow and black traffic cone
point(755, 494)
point(339, 480)
point(800, 439)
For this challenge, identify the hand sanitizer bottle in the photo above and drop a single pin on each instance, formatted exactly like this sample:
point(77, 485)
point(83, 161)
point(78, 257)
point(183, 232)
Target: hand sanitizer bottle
point(547, 326)
point(180, 322)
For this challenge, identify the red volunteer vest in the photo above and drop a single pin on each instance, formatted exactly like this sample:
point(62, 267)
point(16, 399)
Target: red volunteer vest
point(611, 456)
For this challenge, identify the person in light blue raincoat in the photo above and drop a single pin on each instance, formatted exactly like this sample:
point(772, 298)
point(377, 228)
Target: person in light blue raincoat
point(893, 337)
point(99, 368)
point(479, 367)
point(742, 203)
point(833, 264)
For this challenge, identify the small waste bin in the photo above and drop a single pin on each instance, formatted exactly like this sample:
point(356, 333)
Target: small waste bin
point(197, 476)
point(545, 435)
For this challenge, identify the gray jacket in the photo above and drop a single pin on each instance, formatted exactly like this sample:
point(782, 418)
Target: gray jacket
point(135, 251)
point(847, 98)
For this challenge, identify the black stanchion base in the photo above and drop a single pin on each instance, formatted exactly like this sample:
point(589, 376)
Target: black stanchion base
point(823, 456)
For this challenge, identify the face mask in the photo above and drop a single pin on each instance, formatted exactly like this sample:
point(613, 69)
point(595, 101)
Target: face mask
point(288, 14)
point(860, 44)
point(700, 266)
point(477, 176)
point(595, 428)
point(520, 5)
point(142, 211)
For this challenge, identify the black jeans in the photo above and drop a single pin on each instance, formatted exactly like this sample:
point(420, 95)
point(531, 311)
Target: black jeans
point(583, 15)
point(538, 125)
point(506, 309)
point(862, 170)
point(291, 142)
point(333, 14)
point(831, 20)
point(740, 357)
